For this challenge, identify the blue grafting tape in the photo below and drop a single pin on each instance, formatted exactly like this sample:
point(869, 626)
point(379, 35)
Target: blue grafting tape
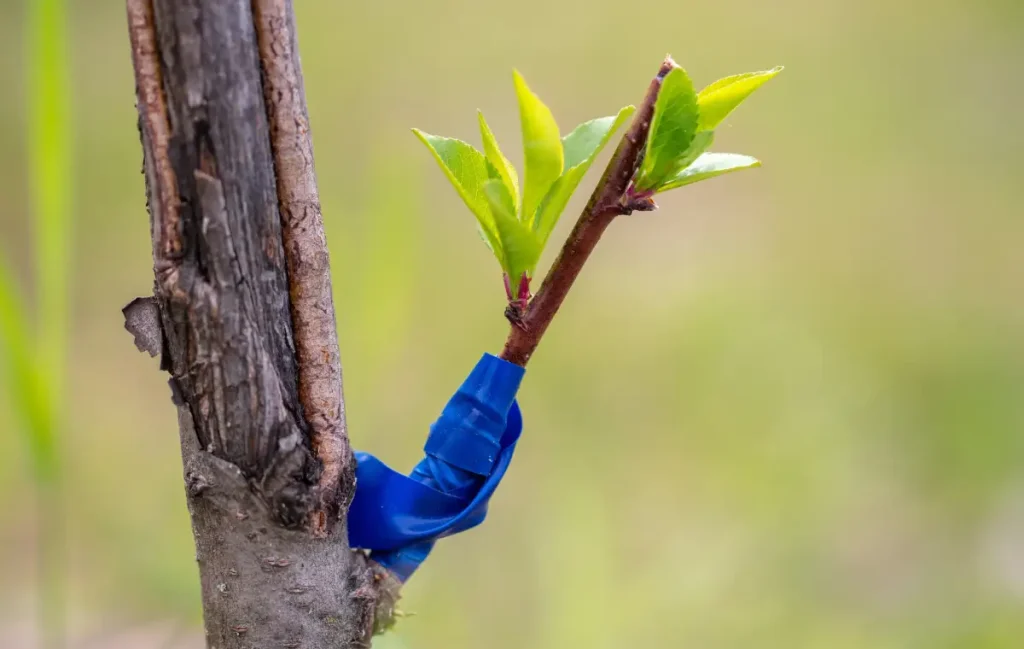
point(469, 448)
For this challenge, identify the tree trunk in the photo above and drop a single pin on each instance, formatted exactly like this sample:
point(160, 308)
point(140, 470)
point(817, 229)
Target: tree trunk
point(246, 324)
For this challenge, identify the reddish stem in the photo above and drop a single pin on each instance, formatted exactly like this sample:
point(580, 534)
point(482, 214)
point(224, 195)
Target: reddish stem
point(608, 201)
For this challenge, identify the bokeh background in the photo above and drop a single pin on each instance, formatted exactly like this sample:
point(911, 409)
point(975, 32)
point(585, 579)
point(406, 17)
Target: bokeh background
point(785, 410)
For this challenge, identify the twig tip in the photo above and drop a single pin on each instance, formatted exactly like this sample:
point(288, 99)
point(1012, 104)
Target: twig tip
point(667, 65)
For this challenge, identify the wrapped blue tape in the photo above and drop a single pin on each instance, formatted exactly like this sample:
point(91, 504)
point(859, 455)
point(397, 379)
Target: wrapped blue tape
point(399, 517)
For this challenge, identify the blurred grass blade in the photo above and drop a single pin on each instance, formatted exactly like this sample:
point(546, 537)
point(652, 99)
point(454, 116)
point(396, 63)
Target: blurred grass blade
point(48, 113)
point(23, 380)
point(33, 400)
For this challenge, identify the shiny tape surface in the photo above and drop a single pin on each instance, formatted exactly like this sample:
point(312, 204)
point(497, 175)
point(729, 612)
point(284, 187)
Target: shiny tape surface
point(398, 517)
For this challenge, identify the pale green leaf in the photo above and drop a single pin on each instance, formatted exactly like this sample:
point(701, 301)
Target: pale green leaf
point(520, 244)
point(720, 98)
point(710, 165)
point(467, 170)
point(586, 140)
point(542, 148)
point(581, 146)
point(672, 130)
point(505, 170)
point(499, 200)
point(725, 81)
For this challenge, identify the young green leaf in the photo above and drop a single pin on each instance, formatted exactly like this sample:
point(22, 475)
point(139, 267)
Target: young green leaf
point(542, 148)
point(499, 200)
point(586, 140)
point(709, 165)
point(672, 130)
point(701, 141)
point(467, 170)
point(581, 146)
point(520, 245)
point(506, 172)
point(720, 98)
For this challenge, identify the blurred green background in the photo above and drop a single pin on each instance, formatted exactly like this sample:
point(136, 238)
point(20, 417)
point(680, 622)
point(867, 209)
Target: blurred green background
point(786, 410)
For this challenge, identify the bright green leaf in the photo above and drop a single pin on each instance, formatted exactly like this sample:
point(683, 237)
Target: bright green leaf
point(505, 170)
point(725, 81)
point(520, 244)
point(701, 142)
point(586, 140)
point(672, 130)
point(467, 170)
point(542, 148)
point(721, 97)
point(581, 147)
point(709, 165)
point(499, 200)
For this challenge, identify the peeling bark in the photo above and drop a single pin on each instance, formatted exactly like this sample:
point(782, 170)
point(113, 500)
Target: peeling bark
point(305, 247)
point(246, 325)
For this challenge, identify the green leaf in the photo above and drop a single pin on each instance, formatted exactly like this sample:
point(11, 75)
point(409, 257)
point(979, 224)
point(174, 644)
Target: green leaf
point(542, 148)
point(721, 97)
point(709, 165)
point(581, 147)
point(506, 172)
point(467, 170)
point(520, 244)
point(499, 200)
point(701, 141)
point(672, 130)
point(586, 140)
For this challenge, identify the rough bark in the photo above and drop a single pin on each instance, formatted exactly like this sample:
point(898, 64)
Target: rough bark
point(247, 324)
point(305, 247)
